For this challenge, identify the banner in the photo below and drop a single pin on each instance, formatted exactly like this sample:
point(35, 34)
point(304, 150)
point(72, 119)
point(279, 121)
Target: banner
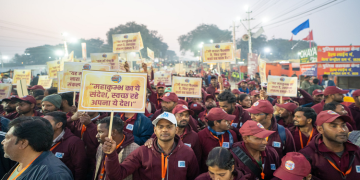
point(339, 69)
point(54, 82)
point(111, 91)
point(282, 86)
point(338, 54)
point(162, 76)
point(308, 55)
point(20, 74)
point(121, 65)
point(186, 87)
point(179, 68)
point(131, 42)
point(308, 69)
point(262, 72)
point(72, 73)
point(220, 52)
point(54, 67)
point(83, 49)
point(150, 54)
point(5, 90)
point(252, 64)
point(45, 82)
point(60, 81)
point(106, 58)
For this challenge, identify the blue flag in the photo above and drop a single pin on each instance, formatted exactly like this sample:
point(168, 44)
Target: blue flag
point(302, 26)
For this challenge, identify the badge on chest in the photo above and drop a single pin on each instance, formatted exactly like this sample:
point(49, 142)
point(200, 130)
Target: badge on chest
point(59, 155)
point(130, 127)
point(276, 144)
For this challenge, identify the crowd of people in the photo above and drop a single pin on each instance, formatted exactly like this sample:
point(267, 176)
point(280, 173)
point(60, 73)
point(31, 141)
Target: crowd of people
point(229, 133)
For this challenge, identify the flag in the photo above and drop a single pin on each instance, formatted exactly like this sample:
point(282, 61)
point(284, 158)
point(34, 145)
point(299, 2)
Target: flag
point(301, 27)
point(258, 33)
point(291, 38)
point(309, 37)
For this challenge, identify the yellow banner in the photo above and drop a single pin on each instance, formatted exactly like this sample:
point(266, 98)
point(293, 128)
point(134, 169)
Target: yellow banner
point(54, 67)
point(220, 52)
point(262, 71)
point(131, 42)
point(20, 74)
point(162, 76)
point(54, 82)
point(150, 54)
point(5, 90)
point(179, 68)
point(45, 82)
point(282, 86)
point(122, 65)
point(60, 78)
point(72, 73)
point(106, 58)
point(111, 91)
point(187, 87)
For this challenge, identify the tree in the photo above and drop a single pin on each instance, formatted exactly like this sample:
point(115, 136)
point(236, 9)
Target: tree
point(203, 33)
point(92, 46)
point(151, 38)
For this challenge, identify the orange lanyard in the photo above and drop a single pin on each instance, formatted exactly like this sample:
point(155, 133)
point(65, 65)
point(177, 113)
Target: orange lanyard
point(128, 120)
point(164, 164)
point(222, 139)
point(22, 169)
point(158, 101)
point(344, 174)
point(83, 129)
point(103, 168)
point(301, 141)
point(52, 148)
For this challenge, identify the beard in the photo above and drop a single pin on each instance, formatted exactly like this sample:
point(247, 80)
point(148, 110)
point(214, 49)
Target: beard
point(181, 125)
point(334, 139)
point(210, 106)
point(9, 110)
point(230, 111)
point(24, 112)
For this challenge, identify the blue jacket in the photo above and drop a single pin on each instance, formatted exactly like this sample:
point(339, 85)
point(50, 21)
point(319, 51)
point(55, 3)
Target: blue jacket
point(245, 91)
point(330, 83)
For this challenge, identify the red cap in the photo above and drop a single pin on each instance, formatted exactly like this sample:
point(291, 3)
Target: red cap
point(254, 92)
point(294, 166)
point(226, 84)
point(170, 96)
point(196, 107)
point(236, 91)
point(152, 82)
point(209, 96)
point(252, 82)
point(244, 81)
point(317, 92)
point(181, 101)
point(253, 128)
point(329, 116)
point(247, 79)
point(11, 97)
point(284, 98)
point(261, 106)
point(29, 99)
point(356, 93)
point(181, 108)
point(333, 90)
point(217, 92)
point(37, 87)
point(161, 84)
point(223, 75)
point(288, 106)
point(216, 114)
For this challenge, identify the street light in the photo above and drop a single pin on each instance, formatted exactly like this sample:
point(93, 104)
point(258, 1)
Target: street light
point(59, 52)
point(73, 40)
point(49, 57)
point(201, 44)
point(211, 41)
point(265, 19)
point(246, 7)
point(299, 53)
point(267, 50)
point(238, 18)
point(5, 57)
point(64, 34)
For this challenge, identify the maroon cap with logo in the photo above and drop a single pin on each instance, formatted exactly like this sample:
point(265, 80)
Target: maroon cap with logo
point(216, 114)
point(181, 101)
point(226, 84)
point(254, 92)
point(243, 81)
point(317, 92)
point(28, 98)
point(253, 128)
point(181, 108)
point(37, 87)
point(11, 97)
point(170, 96)
point(329, 116)
point(284, 98)
point(288, 106)
point(252, 83)
point(334, 90)
point(160, 84)
point(217, 92)
point(236, 91)
point(196, 107)
point(356, 93)
point(209, 96)
point(294, 166)
point(261, 106)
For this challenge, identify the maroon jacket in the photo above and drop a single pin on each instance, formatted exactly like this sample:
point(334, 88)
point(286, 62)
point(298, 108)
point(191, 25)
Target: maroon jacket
point(145, 163)
point(295, 133)
point(36, 113)
point(208, 142)
point(275, 140)
point(71, 151)
point(281, 121)
point(355, 111)
point(307, 98)
point(211, 89)
point(154, 96)
point(238, 175)
point(191, 139)
point(270, 161)
point(316, 151)
point(241, 117)
point(320, 106)
point(11, 115)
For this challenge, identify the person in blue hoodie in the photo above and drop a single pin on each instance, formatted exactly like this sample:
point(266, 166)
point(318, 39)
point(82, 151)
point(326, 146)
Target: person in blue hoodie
point(326, 82)
point(242, 85)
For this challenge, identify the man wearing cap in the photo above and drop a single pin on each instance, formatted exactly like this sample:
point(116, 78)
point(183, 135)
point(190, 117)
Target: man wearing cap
point(168, 103)
point(317, 95)
point(255, 96)
point(213, 86)
point(242, 86)
point(236, 92)
point(26, 107)
point(304, 129)
point(217, 133)
point(155, 95)
point(252, 85)
point(294, 166)
point(10, 104)
point(286, 114)
point(333, 93)
point(51, 103)
point(305, 85)
point(331, 155)
point(36, 87)
point(209, 104)
point(262, 112)
point(252, 155)
point(355, 108)
point(227, 85)
point(168, 159)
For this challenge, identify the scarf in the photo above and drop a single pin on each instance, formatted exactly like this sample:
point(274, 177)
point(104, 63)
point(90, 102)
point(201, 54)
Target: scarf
point(231, 140)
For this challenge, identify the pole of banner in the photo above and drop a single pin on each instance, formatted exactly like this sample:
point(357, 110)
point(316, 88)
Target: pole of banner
point(111, 123)
point(186, 99)
point(281, 100)
point(74, 98)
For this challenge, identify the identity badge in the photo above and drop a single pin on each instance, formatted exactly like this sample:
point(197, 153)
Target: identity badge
point(226, 145)
point(187, 144)
point(358, 169)
point(130, 127)
point(240, 124)
point(234, 125)
point(276, 144)
point(181, 163)
point(59, 155)
point(273, 167)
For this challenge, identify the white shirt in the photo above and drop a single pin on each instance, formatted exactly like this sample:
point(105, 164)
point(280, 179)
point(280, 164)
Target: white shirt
point(58, 138)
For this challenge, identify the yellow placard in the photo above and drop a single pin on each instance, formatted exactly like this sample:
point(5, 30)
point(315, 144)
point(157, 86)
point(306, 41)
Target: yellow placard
point(262, 71)
point(186, 87)
point(162, 76)
point(179, 68)
point(20, 74)
point(45, 82)
point(72, 73)
point(54, 67)
point(54, 82)
point(150, 54)
point(131, 42)
point(106, 58)
point(282, 86)
point(122, 66)
point(111, 91)
point(220, 52)
point(60, 78)
point(5, 90)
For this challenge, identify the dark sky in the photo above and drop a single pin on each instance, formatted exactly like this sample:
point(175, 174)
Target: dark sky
point(25, 23)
